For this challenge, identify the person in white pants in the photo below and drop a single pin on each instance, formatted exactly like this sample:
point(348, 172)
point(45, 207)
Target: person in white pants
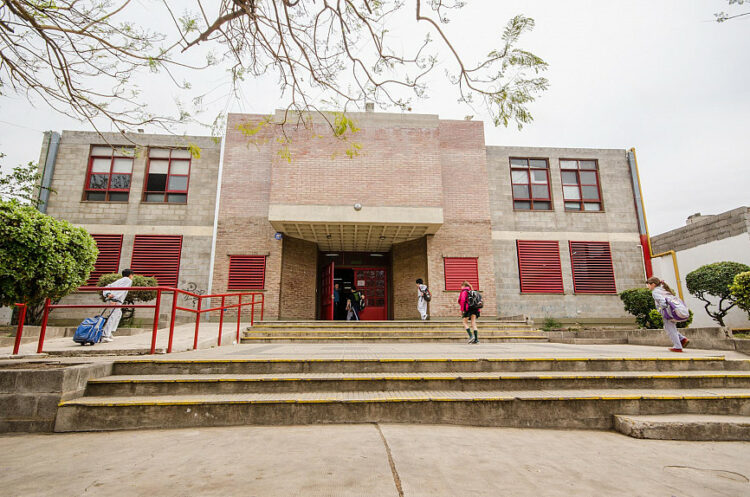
point(421, 302)
point(116, 297)
point(659, 291)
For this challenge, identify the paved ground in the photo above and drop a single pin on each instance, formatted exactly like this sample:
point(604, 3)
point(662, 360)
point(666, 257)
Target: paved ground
point(353, 460)
point(182, 340)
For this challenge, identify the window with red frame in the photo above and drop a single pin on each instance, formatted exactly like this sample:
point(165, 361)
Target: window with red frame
point(109, 173)
point(157, 256)
point(591, 263)
point(247, 272)
point(460, 269)
point(539, 266)
point(108, 260)
point(167, 176)
point(530, 183)
point(580, 180)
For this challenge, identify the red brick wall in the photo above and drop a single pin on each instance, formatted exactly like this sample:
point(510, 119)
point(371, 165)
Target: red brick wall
point(243, 227)
point(409, 263)
point(467, 229)
point(298, 279)
point(398, 165)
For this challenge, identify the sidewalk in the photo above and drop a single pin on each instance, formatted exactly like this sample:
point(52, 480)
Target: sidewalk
point(369, 459)
point(137, 344)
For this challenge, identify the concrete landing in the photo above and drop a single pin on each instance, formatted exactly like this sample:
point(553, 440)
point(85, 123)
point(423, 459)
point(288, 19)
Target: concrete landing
point(355, 460)
point(685, 427)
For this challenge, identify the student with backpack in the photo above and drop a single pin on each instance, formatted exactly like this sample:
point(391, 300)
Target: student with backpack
point(117, 297)
point(666, 302)
point(354, 304)
point(423, 296)
point(470, 302)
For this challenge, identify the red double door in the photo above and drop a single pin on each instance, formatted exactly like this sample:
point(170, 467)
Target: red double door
point(371, 282)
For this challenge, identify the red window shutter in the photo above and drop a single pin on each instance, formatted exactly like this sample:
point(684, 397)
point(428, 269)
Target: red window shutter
point(158, 256)
point(108, 260)
point(247, 272)
point(539, 266)
point(592, 267)
point(458, 269)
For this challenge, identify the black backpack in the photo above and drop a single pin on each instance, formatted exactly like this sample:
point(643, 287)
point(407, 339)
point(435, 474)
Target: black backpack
point(426, 295)
point(359, 298)
point(475, 299)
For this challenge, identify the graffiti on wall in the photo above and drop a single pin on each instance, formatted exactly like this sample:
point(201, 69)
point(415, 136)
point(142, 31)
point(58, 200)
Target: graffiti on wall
point(192, 287)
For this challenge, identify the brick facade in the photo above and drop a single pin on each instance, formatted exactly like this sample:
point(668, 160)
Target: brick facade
point(415, 164)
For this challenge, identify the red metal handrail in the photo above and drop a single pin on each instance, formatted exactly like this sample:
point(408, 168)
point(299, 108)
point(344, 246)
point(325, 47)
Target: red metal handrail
point(48, 306)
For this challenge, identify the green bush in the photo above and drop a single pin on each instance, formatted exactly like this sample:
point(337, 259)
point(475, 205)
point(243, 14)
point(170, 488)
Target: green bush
point(740, 289)
point(640, 303)
point(135, 295)
point(551, 324)
point(657, 320)
point(715, 280)
point(40, 257)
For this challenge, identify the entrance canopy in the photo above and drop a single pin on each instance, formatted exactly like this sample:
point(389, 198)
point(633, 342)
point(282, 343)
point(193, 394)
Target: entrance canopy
point(348, 228)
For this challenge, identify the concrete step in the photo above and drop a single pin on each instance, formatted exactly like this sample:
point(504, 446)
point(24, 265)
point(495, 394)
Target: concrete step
point(383, 324)
point(582, 409)
point(414, 338)
point(433, 365)
point(145, 385)
point(684, 427)
point(390, 333)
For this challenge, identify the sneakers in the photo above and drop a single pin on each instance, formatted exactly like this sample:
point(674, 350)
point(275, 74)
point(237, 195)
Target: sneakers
point(470, 340)
point(107, 339)
point(675, 350)
point(684, 342)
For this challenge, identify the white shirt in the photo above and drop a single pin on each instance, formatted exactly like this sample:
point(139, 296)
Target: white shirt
point(122, 282)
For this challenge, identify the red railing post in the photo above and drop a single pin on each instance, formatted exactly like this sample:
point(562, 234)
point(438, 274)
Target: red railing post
point(252, 311)
point(197, 323)
point(262, 304)
point(19, 331)
point(156, 320)
point(171, 321)
point(221, 321)
point(43, 329)
point(239, 311)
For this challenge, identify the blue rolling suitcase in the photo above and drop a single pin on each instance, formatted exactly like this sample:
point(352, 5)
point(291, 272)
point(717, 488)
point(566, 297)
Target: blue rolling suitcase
point(90, 330)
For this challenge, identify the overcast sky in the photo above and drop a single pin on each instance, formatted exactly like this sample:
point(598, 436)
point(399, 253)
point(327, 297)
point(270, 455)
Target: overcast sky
point(658, 75)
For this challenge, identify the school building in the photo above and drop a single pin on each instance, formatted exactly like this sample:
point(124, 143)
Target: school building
point(543, 232)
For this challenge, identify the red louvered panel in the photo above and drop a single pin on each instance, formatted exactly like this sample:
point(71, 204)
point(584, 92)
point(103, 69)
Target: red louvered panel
point(157, 256)
point(108, 260)
point(458, 269)
point(592, 267)
point(247, 272)
point(539, 266)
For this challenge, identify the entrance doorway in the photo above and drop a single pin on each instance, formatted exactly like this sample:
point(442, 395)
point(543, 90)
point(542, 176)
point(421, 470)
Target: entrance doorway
point(368, 273)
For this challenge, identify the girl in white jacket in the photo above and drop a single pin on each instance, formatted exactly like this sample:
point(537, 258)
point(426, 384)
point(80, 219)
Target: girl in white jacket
point(659, 291)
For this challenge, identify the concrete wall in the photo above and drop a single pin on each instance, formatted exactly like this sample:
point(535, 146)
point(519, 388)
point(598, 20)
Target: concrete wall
point(409, 263)
point(193, 220)
point(616, 224)
point(299, 265)
point(734, 249)
point(705, 240)
point(704, 229)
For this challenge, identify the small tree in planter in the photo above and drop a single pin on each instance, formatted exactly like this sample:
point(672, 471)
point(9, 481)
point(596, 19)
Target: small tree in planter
point(128, 313)
point(715, 280)
point(740, 289)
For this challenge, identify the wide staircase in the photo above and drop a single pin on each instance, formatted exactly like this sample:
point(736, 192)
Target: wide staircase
point(389, 331)
point(584, 393)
